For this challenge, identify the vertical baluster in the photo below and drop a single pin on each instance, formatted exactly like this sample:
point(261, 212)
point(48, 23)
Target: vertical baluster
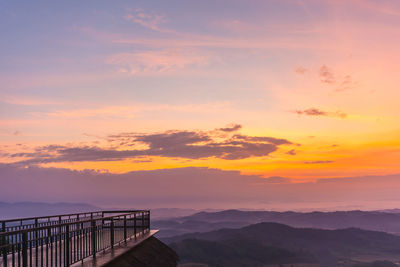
point(55, 247)
point(93, 228)
point(112, 232)
point(78, 233)
point(134, 225)
point(148, 221)
point(30, 248)
point(3, 242)
point(41, 247)
point(60, 237)
point(60, 256)
point(25, 249)
point(66, 245)
point(18, 247)
point(85, 248)
point(142, 228)
point(13, 250)
point(49, 246)
point(125, 235)
point(36, 244)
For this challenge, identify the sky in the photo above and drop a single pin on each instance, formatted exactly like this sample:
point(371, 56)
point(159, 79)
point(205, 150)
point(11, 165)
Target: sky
point(240, 103)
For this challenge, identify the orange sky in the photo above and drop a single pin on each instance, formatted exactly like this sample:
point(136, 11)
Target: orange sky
point(321, 75)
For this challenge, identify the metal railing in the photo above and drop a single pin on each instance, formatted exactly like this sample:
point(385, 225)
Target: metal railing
point(62, 240)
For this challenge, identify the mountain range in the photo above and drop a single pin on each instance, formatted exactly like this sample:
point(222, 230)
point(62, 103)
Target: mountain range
point(208, 221)
point(273, 243)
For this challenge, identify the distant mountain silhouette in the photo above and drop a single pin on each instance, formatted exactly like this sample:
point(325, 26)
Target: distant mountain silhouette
point(208, 221)
point(168, 213)
point(267, 243)
point(34, 209)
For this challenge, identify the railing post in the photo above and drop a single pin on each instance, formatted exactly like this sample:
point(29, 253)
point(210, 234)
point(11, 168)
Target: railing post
point(49, 241)
point(3, 242)
point(142, 223)
point(36, 243)
point(112, 232)
point(93, 224)
point(24, 249)
point(60, 237)
point(67, 248)
point(125, 235)
point(148, 220)
point(134, 224)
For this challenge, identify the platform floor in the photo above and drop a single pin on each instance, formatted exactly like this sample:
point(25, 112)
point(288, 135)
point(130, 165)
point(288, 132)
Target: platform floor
point(102, 257)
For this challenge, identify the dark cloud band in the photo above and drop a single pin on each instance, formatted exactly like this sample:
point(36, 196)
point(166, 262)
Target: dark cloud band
point(175, 144)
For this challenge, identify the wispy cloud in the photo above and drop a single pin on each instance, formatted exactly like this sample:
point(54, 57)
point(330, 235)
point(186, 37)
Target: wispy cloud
point(28, 100)
point(346, 84)
point(156, 61)
point(300, 70)
point(148, 20)
point(342, 83)
point(318, 112)
point(385, 7)
point(125, 111)
point(326, 75)
point(318, 162)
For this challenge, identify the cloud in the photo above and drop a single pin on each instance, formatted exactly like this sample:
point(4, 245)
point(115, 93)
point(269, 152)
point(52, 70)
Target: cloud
point(291, 152)
point(318, 112)
point(233, 128)
point(273, 140)
point(326, 75)
point(278, 180)
point(342, 83)
point(173, 144)
point(27, 100)
point(346, 84)
point(318, 162)
point(196, 188)
point(145, 19)
point(156, 61)
point(300, 70)
point(384, 7)
point(312, 112)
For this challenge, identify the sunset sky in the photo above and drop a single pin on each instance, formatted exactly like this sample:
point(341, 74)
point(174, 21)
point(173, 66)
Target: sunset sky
point(278, 97)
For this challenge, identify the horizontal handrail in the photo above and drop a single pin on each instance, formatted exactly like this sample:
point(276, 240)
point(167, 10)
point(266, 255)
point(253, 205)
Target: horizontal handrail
point(49, 216)
point(68, 223)
point(65, 215)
